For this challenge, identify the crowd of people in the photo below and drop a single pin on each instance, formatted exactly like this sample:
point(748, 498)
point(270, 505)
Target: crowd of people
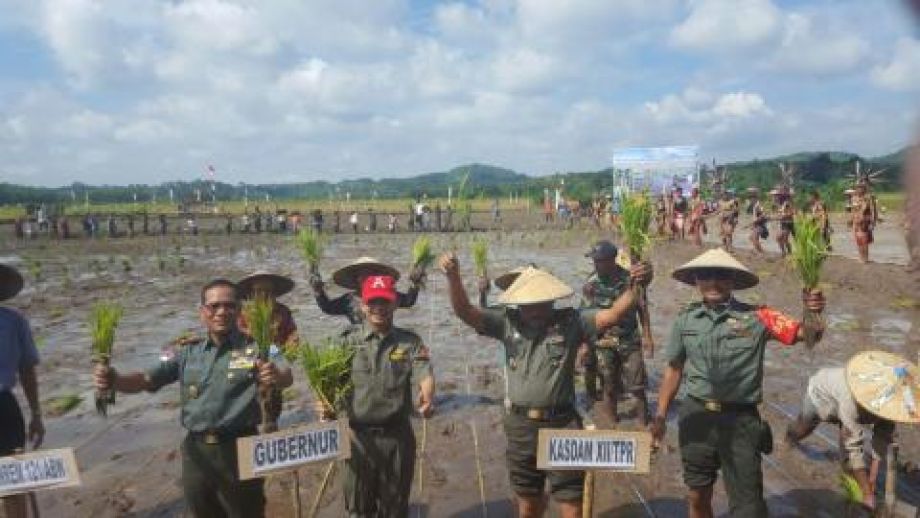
point(715, 351)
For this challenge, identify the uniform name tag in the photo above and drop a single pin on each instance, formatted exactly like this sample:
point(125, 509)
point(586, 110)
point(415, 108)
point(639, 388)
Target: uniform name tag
point(262, 455)
point(601, 450)
point(43, 469)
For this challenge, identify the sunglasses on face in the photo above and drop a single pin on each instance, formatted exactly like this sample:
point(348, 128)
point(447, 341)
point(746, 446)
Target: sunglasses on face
point(712, 274)
point(214, 306)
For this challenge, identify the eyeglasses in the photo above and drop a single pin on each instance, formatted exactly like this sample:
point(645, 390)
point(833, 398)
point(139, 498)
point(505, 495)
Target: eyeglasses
point(712, 274)
point(214, 306)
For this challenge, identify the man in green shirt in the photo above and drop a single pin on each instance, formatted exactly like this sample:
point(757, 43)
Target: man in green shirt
point(619, 349)
point(717, 345)
point(387, 361)
point(218, 386)
point(541, 344)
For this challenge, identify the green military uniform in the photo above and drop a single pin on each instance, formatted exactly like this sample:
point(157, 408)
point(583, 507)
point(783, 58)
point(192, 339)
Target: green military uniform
point(541, 388)
point(378, 476)
point(218, 397)
point(722, 350)
point(619, 349)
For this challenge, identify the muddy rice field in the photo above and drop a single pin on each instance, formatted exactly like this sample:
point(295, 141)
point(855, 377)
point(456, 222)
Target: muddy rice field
point(130, 462)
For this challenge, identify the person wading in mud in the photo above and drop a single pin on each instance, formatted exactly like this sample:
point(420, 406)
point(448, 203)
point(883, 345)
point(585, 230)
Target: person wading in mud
point(865, 217)
point(759, 224)
point(351, 278)
point(18, 358)
point(541, 344)
point(619, 349)
point(786, 218)
point(387, 361)
point(717, 345)
point(697, 213)
point(728, 219)
point(829, 399)
point(679, 209)
point(218, 386)
point(820, 215)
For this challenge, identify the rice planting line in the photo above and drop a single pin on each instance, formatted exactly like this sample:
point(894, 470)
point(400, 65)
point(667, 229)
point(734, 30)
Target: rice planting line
point(472, 423)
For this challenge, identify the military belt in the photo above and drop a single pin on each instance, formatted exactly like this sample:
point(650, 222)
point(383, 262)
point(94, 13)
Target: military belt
point(713, 405)
point(542, 414)
point(212, 437)
point(390, 427)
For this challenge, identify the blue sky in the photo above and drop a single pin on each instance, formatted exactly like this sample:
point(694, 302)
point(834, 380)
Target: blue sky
point(143, 91)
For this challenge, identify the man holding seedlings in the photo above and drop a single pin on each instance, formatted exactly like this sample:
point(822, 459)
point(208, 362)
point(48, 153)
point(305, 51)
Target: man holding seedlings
point(541, 343)
point(619, 348)
point(351, 277)
point(387, 361)
point(717, 344)
point(218, 386)
point(18, 358)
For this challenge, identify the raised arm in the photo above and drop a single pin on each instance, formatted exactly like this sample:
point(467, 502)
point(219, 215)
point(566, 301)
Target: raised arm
point(459, 300)
point(607, 318)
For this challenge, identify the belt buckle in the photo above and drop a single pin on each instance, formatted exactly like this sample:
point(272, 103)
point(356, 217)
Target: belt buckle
point(537, 414)
point(713, 406)
point(211, 438)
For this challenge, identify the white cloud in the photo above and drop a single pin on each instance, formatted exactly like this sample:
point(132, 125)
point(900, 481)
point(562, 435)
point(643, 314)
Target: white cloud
point(902, 72)
point(817, 49)
point(727, 26)
point(689, 107)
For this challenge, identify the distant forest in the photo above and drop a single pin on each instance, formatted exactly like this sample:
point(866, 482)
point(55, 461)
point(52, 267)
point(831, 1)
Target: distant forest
point(828, 171)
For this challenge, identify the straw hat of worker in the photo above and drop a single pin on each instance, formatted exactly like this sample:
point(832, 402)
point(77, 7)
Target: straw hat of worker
point(506, 279)
point(349, 275)
point(534, 286)
point(10, 282)
point(717, 259)
point(279, 284)
point(886, 385)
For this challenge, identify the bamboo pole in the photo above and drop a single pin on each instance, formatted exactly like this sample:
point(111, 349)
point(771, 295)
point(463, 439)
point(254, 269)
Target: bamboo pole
point(587, 500)
point(322, 489)
point(891, 480)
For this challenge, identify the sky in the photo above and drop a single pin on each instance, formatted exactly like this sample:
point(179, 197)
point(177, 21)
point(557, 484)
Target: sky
point(275, 91)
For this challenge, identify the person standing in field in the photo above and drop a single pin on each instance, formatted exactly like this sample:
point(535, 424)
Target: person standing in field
point(18, 359)
point(353, 221)
point(821, 216)
point(218, 386)
point(717, 348)
point(864, 218)
point(541, 344)
point(728, 219)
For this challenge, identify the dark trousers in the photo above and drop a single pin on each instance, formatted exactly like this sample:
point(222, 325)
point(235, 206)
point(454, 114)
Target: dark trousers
point(12, 426)
point(378, 476)
point(211, 483)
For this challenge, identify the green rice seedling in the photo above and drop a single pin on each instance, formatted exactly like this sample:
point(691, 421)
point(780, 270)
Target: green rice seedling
point(103, 320)
point(850, 487)
point(258, 315)
point(809, 251)
point(422, 255)
point(60, 405)
point(635, 217)
point(311, 245)
point(480, 252)
point(328, 370)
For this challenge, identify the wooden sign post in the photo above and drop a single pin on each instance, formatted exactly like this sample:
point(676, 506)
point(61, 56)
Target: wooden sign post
point(43, 469)
point(596, 450)
point(287, 450)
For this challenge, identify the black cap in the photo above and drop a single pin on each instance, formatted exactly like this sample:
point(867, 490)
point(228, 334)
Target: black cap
point(602, 250)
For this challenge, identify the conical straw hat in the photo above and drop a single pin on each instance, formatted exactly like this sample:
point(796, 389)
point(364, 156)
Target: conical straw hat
point(717, 258)
point(280, 284)
point(534, 286)
point(886, 385)
point(10, 282)
point(347, 276)
point(506, 279)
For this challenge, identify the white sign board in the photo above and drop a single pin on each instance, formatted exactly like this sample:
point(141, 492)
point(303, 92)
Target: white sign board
point(598, 450)
point(262, 455)
point(656, 168)
point(43, 469)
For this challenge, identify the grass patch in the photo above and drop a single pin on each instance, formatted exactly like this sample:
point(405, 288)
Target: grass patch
point(60, 405)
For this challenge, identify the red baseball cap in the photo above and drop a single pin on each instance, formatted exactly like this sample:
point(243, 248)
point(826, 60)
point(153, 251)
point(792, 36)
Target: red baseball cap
point(378, 287)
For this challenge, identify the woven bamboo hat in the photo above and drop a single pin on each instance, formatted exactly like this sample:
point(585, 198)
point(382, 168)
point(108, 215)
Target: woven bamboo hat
point(720, 259)
point(534, 286)
point(347, 276)
point(10, 282)
point(506, 279)
point(886, 385)
point(279, 283)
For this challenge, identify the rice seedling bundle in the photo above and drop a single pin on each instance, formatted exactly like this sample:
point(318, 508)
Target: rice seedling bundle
point(258, 315)
point(103, 320)
point(809, 251)
point(422, 256)
point(635, 217)
point(480, 251)
point(328, 370)
point(311, 246)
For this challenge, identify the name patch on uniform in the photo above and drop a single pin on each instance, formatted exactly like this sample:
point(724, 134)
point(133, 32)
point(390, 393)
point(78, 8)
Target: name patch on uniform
point(262, 455)
point(398, 355)
point(45, 469)
point(597, 450)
